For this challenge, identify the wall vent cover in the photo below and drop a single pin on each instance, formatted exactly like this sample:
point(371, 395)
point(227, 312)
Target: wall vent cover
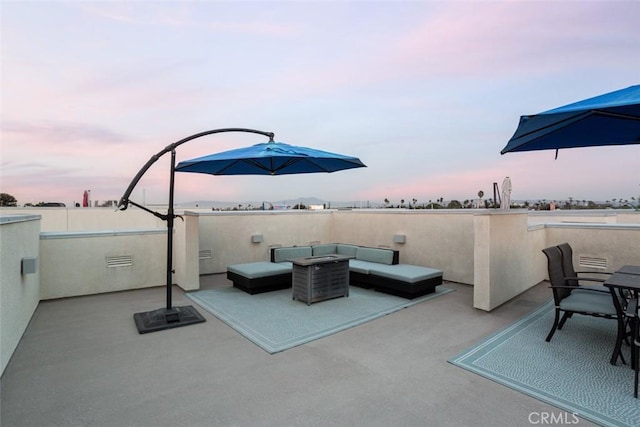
point(119, 261)
point(593, 262)
point(206, 254)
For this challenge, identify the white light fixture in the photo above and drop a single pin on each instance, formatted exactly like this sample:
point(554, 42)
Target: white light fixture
point(29, 265)
point(399, 238)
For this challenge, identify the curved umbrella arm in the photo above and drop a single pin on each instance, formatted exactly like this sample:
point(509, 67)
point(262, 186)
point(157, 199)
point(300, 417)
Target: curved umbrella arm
point(123, 204)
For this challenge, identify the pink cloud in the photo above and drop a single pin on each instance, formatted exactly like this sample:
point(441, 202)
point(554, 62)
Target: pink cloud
point(499, 38)
point(176, 14)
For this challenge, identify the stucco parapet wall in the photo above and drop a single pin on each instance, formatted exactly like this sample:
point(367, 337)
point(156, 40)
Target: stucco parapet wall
point(99, 233)
point(581, 212)
point(8, 219)
point(404, 211)
point(480, 212)
point(591, 226)
point(259, 212)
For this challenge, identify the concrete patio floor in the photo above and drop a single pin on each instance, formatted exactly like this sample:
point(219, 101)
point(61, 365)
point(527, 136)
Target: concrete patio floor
point(82, 362)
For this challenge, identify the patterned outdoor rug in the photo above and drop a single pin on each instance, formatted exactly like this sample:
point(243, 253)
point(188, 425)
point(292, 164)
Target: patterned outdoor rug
point(275, 322)
point(571, 372)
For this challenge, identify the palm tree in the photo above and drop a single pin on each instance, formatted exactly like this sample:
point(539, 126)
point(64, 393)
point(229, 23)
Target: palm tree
point(386, 202)
point(480, 196)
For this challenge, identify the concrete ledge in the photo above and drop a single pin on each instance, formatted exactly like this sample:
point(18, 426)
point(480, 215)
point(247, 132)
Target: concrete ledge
point(99, 233)
point(9, 219)
point(592, 225)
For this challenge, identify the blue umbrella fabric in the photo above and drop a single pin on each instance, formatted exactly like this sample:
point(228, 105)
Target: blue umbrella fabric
point(270, 158)
point(609, 119)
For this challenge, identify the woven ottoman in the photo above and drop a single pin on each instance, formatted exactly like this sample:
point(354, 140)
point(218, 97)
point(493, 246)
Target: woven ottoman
point(403, 280)
point(258, 277)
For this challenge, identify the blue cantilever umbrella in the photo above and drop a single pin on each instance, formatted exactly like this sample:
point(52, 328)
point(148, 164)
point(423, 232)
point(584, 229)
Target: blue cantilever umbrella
point(269, 158)
point(609, 119)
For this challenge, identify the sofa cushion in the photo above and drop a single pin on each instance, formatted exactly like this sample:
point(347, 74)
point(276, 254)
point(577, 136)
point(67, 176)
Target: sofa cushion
point(287, 254)
point(359, 266)
point(404, 272)
point(254, 270)
point(378, 255)
point(346, 250)
point(326, 249)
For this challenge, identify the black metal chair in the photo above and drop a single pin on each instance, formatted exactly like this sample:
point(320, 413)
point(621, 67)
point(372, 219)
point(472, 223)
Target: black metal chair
point(572, 299)
point(634, 318)
point(574, 277)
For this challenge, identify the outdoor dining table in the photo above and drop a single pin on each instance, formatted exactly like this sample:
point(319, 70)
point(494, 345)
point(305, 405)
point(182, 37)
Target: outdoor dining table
point(629, 269)
point(626, 280)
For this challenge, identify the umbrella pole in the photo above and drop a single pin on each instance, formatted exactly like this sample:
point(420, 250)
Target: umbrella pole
point(168, 317)
point(170, 218)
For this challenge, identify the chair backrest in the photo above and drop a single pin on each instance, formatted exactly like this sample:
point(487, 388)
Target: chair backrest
point(567, 264)
point(556, 273)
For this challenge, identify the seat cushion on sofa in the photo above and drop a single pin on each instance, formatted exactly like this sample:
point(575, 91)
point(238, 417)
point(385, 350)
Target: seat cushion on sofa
point(377, 255)
point(346, 250)
point(287, 254)
point(254, 270)
point(359, 266)
point(324, 249)
point(405, 272)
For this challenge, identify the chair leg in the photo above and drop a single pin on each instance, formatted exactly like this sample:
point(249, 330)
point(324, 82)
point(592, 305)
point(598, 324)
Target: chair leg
point(566, 316)
point(635, 389)
point(555, 326)
point(635, 361)
point(617, 350)
point(635, 350)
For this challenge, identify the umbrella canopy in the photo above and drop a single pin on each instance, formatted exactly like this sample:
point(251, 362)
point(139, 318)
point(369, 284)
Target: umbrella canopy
point(270, 158)
point(609, 119)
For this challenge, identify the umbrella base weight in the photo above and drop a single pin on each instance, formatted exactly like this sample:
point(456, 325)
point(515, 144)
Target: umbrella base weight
point(164, 318)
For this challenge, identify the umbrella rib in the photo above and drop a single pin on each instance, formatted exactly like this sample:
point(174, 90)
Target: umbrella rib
point(579, 117)
point(616, 115)
point(293, 161)
point(250, 161)
point(574, 118)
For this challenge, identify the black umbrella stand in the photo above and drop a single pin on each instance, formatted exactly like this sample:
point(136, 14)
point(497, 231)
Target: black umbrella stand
point(170, 317)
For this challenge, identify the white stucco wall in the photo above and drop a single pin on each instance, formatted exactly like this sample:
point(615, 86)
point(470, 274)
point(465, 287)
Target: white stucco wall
point(19, 293)
point(618, 244)
point(78, 263)
point(227, 235)
point(507, 261)
point(186, 246)
point(441, 239)
point(497, 252)
point(83, 219)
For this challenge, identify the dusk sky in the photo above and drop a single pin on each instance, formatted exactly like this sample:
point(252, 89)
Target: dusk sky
point(425, 93)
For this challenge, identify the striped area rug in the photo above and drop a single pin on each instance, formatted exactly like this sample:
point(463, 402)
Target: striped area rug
point(275, 322)
point(572, 372)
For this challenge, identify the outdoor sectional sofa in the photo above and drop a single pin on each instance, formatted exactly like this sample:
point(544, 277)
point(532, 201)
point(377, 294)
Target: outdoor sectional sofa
point(376, 268)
